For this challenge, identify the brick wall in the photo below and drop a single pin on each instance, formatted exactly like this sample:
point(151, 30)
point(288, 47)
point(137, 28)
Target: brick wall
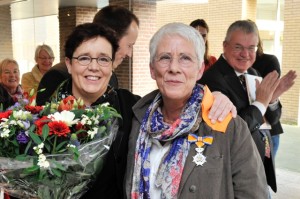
point(69, 17)
point(5, 33)
point(291, 60)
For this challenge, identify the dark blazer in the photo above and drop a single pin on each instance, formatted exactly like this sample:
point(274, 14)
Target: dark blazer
point(54, 77)
point(265, 64)
point(109, 183)
point(222, 77)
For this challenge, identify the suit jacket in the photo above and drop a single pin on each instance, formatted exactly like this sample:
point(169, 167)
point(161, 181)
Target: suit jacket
point(265, 64)
point(231, 159)
point(222, 77)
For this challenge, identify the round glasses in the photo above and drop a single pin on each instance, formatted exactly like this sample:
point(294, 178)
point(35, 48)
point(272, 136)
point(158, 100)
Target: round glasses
point(86, 60)
point(165, 60)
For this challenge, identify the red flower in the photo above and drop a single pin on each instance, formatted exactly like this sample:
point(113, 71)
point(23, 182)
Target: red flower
point(33, 109)
point(40, 123)
point(59, 128)
point(5, 114)
point(66, 104)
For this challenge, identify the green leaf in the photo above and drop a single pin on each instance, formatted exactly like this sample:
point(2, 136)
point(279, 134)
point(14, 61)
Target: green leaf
point(45, 131)
point(56, 172)
point(62, 144)
point(59, 166)
point(31, 169)
point(22, 157)
point(35, 138)
point(28, 147)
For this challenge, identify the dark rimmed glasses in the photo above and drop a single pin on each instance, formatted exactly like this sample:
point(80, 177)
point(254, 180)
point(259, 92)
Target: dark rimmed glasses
point(86, 60)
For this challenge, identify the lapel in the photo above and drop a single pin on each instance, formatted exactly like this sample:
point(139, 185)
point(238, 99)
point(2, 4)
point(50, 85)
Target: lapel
point(188, 168)
point(232, 79)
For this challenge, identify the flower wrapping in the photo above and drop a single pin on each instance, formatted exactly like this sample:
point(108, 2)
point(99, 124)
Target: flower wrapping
point(56, 150)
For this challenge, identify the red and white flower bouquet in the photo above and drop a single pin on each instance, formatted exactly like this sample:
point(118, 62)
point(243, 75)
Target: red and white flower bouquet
point(53, 151)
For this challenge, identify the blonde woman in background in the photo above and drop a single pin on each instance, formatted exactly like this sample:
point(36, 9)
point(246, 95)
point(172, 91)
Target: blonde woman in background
point(44, 58)
point(10, 88)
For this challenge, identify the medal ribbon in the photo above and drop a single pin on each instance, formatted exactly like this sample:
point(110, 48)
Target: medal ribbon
point(199, 140)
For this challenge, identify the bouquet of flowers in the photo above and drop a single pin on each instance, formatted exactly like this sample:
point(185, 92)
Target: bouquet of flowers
point(53, 151)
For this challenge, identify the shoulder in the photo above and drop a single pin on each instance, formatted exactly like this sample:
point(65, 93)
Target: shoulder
point(27, 77)
point(126, 95)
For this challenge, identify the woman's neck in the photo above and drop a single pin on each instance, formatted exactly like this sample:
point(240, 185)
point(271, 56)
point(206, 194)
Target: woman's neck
point(171, 111)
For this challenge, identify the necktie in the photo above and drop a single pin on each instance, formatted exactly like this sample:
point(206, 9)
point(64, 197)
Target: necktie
point(243, 81)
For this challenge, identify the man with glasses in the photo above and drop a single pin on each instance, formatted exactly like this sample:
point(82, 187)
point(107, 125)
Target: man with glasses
point(239, 53)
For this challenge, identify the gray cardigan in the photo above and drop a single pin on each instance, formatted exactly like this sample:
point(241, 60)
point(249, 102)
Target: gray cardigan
point(233, 169)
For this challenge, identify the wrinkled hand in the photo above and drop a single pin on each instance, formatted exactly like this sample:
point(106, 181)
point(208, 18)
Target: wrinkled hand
point(221, 107)
point(286, 82)
point(265, 89)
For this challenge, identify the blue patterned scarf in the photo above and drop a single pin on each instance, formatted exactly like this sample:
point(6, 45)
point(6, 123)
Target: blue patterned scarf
point(171, 166)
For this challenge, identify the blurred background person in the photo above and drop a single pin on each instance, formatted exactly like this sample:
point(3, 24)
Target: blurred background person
point(10, 88)
point(202, 27)
point(44, 58)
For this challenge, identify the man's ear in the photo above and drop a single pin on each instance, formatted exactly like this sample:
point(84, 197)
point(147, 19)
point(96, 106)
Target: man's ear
point(68, 64)
point(201, 70)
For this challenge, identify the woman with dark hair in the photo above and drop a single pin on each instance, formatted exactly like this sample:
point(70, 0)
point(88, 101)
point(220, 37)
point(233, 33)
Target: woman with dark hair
point(202, 27)
point(125, 25)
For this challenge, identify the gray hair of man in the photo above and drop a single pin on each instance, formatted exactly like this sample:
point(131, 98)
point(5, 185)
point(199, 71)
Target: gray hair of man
point(187, 32)
point(246, 26)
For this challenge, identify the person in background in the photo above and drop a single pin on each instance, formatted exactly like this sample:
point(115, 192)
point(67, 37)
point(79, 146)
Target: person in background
point(239, 54)
point(44, 58)
point(118, 18)
point(10, 88)
point(174, 150)
point(202, 27)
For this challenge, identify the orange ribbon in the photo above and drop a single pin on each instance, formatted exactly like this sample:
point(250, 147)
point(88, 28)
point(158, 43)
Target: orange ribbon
point(200, 141)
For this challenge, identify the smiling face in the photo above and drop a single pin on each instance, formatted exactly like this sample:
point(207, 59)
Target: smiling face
point(10, 77)
point(126, 44)
point(44, 61)
point(90, 82)
point(177, 79)
point(240, 51)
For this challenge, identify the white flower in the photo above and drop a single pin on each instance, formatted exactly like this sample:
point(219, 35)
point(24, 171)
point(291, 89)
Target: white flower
point(23, 115)
point(41, 146)
point(20, 124)
point(64, 116)
point(71, 146)
point(93, 132)
point(42, 162)
point(39, 149)
point(5, 133)
point(42, 158)
point(105, 104)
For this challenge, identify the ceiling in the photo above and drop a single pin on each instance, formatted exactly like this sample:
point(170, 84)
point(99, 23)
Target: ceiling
point(22, 9)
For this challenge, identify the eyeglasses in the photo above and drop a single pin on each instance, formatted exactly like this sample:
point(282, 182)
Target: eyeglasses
point(46, 58)
point(239, 48)
point(86, 60)
point(184, 60)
